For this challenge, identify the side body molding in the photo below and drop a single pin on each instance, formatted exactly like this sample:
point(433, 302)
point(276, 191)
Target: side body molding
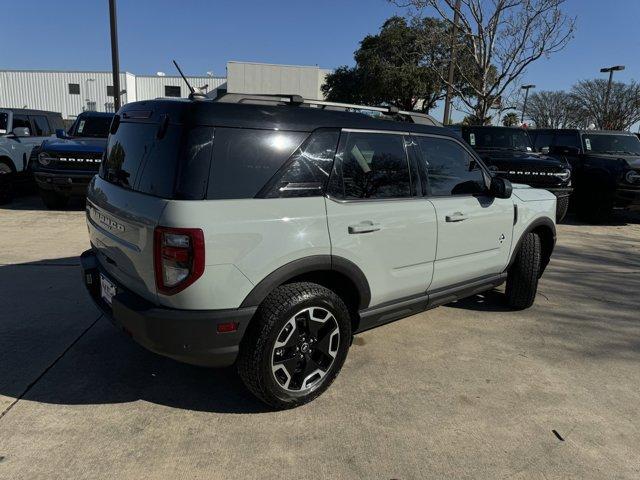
point(312, 264)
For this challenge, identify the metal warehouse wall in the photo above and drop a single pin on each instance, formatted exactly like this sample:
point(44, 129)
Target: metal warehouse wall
point(148, 86)
point(246, 77)
point(45, 90)
point(48, 90)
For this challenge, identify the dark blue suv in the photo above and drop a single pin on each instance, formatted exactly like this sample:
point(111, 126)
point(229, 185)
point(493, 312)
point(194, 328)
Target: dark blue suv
point(64, 166)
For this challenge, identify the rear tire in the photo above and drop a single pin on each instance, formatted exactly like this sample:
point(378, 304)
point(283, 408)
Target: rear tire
point(562, 206)
point(271, 361)
point(54, 200)
point(522, 277)
point(6, 183)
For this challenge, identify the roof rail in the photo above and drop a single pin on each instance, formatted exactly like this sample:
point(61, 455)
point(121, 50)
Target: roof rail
point(297, 100)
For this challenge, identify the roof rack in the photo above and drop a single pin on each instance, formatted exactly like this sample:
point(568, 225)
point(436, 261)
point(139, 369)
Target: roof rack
point(297, 100)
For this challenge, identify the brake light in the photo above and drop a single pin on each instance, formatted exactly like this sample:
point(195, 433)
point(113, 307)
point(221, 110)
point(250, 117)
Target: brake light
point(178, 258)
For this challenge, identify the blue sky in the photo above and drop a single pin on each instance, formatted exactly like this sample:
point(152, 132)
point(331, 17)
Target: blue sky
point(204, 35)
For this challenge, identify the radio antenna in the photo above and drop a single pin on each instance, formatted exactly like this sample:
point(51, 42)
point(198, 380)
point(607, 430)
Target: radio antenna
point(196, 93)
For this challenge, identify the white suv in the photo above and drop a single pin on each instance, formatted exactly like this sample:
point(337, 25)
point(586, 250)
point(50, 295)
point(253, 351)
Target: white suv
point(267, 232)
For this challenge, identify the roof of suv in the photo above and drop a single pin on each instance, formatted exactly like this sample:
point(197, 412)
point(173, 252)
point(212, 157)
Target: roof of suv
point(27, 111)
point(284, 117)
point(580, 130)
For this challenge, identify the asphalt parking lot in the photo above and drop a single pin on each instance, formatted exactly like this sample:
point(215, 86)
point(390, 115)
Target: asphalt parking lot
point(469, 390)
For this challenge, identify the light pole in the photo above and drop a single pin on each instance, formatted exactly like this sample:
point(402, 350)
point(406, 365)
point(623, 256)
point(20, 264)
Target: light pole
point(115, 61)
point(447, 102)
point(526, 95)
point(610, 71)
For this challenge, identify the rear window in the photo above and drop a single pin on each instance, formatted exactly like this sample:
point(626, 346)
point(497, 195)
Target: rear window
point(200, 162)
point(176, 165)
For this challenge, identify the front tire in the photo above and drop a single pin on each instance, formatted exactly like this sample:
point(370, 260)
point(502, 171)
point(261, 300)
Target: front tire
point(54, 200)
point(562, 206)
point(296, 345)
point(6, 183)
point(522, 277)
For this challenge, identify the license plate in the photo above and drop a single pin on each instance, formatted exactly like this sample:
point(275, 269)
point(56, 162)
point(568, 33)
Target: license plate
point(107, 289)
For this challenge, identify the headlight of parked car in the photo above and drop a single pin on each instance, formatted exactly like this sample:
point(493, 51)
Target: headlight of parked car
point(44, 159)
point(632, 177)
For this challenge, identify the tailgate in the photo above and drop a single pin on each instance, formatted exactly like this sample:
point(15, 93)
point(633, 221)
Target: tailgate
point(121, 223)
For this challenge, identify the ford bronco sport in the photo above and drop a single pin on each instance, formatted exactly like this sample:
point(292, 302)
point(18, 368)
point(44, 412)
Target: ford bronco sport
point(64, 166)
point(265, 232)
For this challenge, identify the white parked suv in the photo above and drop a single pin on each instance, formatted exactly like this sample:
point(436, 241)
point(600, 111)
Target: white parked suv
point(266, 231)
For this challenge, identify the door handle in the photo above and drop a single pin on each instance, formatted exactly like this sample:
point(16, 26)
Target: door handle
point(456, 217)
point(364, 227)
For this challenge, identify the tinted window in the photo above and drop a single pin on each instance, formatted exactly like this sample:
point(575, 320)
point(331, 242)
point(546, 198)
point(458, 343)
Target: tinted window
point(21, 121)
point(307, 171)
point(542, 140)
point(74, 89)
point(135, 159)
point(171, 91)
point(245, 159)
point(41, 125)
point(611, 144)
point(566, 140)
point(451, 170)
point(4, 120)
point(374, 165)
point(96, 127)
point(195, 163)
point(498, 137)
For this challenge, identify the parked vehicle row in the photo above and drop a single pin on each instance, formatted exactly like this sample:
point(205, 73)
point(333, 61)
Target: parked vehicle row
point(266, 233)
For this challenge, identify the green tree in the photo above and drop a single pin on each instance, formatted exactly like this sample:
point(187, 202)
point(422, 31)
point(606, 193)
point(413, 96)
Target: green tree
point(396, 66)
point(511, 119)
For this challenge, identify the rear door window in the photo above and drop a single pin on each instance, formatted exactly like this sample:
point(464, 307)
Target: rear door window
point(374, 166)
point(245, 159)
point(566, 140)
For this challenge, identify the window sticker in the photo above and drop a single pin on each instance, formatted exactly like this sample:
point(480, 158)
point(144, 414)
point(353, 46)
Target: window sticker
point(472, 138)
point(587, 142)
point(81, 126)
point(529, 149)
point(2, 130)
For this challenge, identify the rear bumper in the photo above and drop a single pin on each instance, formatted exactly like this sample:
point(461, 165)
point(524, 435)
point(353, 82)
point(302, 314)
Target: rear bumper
point(65, 182)
point(188, 336)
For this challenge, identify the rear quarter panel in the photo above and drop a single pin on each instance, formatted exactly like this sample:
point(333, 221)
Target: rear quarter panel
point(245, 240)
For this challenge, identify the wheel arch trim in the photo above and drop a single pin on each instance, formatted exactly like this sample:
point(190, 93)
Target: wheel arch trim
point(309, 265)
point(545, 223)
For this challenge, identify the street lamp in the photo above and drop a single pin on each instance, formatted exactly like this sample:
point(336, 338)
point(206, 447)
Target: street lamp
point(609, 70)
point(526, 95)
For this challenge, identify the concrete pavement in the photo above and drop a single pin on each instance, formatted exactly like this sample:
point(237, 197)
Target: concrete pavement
point(470, 390)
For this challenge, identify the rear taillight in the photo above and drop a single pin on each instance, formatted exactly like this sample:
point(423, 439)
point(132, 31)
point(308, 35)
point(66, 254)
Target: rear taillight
point(178, 258)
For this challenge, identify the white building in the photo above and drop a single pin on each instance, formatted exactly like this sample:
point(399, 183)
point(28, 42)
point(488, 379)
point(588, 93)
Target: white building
point(71, 93)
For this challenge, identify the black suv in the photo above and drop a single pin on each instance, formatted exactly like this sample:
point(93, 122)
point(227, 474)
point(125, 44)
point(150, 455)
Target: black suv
point(606, 167)
point(509, 152)
point(63, 166)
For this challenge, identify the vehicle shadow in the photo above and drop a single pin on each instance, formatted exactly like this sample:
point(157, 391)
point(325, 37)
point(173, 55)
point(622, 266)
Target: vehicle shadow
point(489, 301)
point(61, 350)
point(30, 200)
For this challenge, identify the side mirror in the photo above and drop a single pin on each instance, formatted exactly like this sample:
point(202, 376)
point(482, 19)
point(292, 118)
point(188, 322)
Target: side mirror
point(500, 187)
point(60, 133)
point(21, 132)
point(559, 150)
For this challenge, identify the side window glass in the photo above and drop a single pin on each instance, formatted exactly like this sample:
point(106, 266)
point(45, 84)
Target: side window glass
point(451, 170)
point(566, 140)
point(306, 173)
point(375, 165)
point(41, 126)
point(22, 121)
point(543, 140)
